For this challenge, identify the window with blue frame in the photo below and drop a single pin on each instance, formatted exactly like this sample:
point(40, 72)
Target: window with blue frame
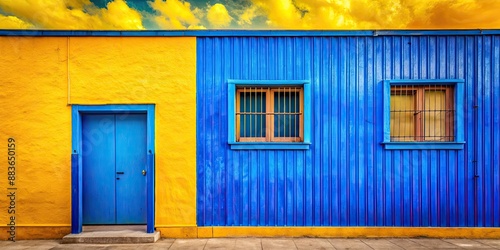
point(269, 114)
point(423, 114)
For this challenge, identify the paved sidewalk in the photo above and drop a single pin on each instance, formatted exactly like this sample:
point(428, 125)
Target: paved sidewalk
point(272, 243)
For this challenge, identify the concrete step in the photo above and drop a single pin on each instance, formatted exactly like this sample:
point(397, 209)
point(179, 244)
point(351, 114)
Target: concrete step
point(116, 236)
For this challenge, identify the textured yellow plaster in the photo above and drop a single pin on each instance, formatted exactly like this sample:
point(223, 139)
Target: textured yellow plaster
point(34, 112)
point(148, 70)
point(178, 232)
point(40, 232)
point(205, 232)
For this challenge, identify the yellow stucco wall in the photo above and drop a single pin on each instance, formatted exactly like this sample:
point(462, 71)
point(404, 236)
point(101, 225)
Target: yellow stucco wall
point(34, 112)
point(35, 89)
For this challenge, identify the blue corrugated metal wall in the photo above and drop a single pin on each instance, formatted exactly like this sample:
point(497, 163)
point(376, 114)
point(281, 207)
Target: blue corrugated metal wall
point(347, 178)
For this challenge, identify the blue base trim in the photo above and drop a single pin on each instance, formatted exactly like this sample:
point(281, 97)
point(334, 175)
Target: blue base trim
point(150, 194)
point(76, 215)
point(424, 145)
point(270, 145)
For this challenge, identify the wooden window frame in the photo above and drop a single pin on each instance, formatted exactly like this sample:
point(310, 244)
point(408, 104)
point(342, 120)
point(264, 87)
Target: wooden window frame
point(270, 113)
point(418, 106)
point(238, 114)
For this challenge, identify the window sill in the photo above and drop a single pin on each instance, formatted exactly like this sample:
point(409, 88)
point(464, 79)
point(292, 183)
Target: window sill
point(269, 145)
point(424, 145)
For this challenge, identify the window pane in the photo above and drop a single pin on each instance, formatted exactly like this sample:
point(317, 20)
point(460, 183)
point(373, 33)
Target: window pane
point(403, 115)
point(435, 115)
point(252, 114)
point(287, 113)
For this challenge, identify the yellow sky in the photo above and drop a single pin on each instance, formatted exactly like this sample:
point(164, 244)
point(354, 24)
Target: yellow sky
point(253, 14)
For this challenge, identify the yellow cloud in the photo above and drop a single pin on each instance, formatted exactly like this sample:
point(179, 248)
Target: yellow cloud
point(379, 14)
point(218, 17)
point(73, 14)
point(174, 14)
point(119, 14)
point(247, 16)
point(280, 13)
point(196, 27)
point(463, 14)
point(12, 22)
point(277, 14)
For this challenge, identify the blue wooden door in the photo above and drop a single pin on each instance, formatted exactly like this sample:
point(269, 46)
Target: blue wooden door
point(113, 158)
point(131, 161)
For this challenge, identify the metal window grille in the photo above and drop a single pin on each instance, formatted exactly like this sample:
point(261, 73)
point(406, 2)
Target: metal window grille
point(422, 113)
point(269, 114)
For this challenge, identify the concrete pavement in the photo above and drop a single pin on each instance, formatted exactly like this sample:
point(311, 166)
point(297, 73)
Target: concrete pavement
point(272, 243)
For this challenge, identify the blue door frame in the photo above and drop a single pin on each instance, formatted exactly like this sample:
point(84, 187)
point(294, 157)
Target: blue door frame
point(76, 158)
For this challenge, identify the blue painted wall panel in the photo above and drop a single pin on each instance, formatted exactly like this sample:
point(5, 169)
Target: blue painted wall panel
point(347, 178)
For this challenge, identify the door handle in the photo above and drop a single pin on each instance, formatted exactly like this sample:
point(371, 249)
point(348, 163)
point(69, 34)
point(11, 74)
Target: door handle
point(143, 172)
point(119, 173)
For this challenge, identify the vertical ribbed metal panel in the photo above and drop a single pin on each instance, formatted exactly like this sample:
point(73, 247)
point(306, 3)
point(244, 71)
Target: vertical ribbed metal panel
point(347, 178)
